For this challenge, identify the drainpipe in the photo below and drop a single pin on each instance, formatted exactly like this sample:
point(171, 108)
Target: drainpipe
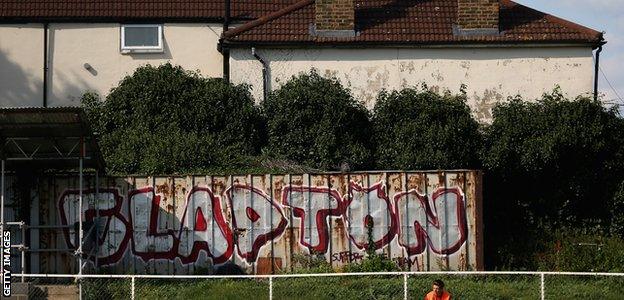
point(225, 51)
point(265, 77)
point(596, 69)
point(45, 64)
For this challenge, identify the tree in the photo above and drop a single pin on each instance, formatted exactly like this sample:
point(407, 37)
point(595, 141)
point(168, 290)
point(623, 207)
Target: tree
point(165, 120)
point(550, 164)
point(419, 129)
point(315, 121)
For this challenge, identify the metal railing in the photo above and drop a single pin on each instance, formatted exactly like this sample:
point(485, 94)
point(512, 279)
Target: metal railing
point(393, 285)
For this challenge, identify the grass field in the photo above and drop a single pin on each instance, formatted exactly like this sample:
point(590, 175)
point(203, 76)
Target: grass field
point(366, 287)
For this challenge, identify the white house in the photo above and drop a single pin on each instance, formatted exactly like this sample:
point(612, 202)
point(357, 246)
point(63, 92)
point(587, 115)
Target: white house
point(51, 52)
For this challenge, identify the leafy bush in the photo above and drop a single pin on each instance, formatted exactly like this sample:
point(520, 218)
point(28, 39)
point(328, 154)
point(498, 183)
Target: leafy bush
point(315, 121)
point(372, 263)
point(420, 129)
point(574, 251)
point(617, 211)
point(549, 164)
point(312, 263)
point(167, 120)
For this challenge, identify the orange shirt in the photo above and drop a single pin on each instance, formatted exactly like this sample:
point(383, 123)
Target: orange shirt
point(433, 296)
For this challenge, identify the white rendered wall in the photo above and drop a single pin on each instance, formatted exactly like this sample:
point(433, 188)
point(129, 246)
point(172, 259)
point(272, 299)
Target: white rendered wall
point(193, 46)
point(491, 74)
point(21, 65)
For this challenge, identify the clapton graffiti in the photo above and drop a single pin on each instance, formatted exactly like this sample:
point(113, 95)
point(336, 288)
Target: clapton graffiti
point(245, 223)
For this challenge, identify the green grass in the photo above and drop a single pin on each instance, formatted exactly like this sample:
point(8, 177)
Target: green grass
point(368, 287)
point(185, 289)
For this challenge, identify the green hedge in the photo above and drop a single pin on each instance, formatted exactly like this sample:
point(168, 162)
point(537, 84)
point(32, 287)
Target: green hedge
point(313, 120)
point(165, 120)
point(550, 164)
point(419, 129)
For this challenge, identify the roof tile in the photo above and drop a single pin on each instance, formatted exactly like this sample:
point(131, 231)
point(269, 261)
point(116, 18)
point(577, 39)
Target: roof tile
point(135, 9)
point(418, 21)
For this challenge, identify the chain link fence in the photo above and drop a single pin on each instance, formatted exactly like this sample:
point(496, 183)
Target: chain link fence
point(462, 285)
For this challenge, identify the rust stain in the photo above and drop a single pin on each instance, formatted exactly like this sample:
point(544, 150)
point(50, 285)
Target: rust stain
point(340, 233)
point(291, 236)
point(396, 183)
point(262, 181)
point(343, 184)
point(277, 188)
point(459, 180)
point(441, 179)
point(162, 189)
point(462, 262)
point(415, 182)
point(218, 186)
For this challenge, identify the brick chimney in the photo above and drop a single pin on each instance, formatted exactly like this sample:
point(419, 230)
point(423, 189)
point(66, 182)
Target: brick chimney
point(335, 18)
point(477, 17)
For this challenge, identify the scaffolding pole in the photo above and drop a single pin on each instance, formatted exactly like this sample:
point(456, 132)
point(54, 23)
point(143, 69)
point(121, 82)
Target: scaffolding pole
point(82, 149)
point(2, 218)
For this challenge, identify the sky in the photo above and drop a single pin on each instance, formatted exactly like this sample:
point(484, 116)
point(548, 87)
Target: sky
point(600, 15)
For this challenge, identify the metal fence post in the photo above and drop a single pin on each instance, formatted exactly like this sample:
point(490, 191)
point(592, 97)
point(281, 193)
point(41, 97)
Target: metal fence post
point(23, 249)
point(79, 286)
point(132, 288)
point(405, 286)
point(270, 287)
point(542, 284)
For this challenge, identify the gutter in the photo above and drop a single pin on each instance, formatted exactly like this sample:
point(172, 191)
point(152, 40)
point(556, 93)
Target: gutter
point(597, 65)
point(407, 44)
point(45, 64)
point(596, 69)
point(224, 50)
point(265, 74)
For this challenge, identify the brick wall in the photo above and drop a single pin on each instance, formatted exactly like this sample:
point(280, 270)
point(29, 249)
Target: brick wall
point(335, 15)
point(477, 14)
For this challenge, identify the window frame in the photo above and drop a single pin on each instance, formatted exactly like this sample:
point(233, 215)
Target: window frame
point(141, 49)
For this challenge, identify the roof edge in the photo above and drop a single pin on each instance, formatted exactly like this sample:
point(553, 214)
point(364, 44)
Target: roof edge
point(23, 20)
point(599, 36)
point(433, 44)
point(267, 18)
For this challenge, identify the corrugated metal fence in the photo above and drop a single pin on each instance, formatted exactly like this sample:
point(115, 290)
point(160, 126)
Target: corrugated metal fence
point(429, 220)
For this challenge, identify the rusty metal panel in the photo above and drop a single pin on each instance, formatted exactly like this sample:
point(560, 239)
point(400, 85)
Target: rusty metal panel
point(192, 224)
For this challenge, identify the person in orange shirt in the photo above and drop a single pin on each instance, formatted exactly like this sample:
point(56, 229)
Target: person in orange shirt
point(438, 292)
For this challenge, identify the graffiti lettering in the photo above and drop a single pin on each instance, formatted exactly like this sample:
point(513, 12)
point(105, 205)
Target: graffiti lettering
point(347, 256)
point(104, 209)
point(441, 226)
point(203, 223)
point(241, 220)
point(256, 218)
point(150, 237)
point(314, 206)
point(370, 207)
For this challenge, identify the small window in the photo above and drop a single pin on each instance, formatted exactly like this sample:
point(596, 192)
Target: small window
point(141, 38)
